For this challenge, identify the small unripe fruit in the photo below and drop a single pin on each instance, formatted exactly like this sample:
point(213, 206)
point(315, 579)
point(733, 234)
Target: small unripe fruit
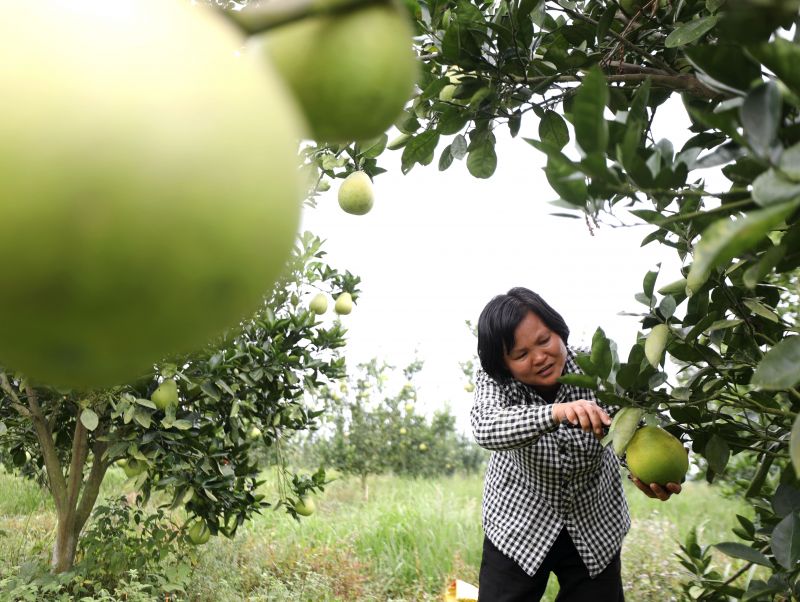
point(355, 194)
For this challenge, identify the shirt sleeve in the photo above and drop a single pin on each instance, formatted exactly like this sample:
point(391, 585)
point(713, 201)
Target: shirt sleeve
point(501, 423)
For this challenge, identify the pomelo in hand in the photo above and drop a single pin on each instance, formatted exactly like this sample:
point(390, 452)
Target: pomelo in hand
point(344, 304)
point(352, 72)
point(166, 395)
point(149, 185)
point(656, 456)
point(305, 506)
point(355, 194)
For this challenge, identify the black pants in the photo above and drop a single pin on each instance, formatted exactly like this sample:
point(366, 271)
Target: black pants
point(502, 579)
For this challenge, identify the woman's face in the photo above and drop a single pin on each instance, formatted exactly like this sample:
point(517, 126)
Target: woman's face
point(539, 354)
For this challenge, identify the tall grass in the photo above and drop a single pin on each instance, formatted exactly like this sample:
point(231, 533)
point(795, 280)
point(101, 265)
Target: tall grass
point(403, 544)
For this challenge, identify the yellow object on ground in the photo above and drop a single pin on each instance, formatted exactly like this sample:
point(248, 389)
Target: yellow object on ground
point(460, 591)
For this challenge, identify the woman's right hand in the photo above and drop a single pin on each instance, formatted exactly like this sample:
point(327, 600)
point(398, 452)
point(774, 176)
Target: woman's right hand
point(583, 412)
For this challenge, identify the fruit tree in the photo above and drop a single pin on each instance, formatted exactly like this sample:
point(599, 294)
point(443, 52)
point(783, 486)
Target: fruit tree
point(195, 440)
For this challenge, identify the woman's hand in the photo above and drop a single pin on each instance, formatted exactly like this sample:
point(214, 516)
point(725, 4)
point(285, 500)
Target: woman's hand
point(656, 491)
point(587, 414)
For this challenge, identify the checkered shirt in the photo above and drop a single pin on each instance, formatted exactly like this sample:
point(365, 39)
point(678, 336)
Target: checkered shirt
point(543, 476)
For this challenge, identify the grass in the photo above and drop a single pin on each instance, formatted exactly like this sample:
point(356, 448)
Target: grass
point(403, 544)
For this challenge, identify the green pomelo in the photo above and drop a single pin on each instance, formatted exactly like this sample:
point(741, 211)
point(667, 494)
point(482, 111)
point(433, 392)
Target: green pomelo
point(134, 467)
point(319, 304)
point(166, 395)
point(655, 456)
point(149, 190)
point(305, 506)
point(199, 532)
point(344, 304)
point(355, 194)
point(352, 72)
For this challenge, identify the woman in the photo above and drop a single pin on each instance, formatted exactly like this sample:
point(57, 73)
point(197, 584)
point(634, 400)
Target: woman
point(553, 499)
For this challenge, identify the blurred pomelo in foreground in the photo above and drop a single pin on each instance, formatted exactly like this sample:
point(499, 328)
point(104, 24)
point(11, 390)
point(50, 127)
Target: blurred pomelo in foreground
point(149, 190)
point(655, 456)
point(352, 72)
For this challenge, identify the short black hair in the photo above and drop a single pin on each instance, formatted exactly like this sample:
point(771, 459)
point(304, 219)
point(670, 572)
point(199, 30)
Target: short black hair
point(500, 318)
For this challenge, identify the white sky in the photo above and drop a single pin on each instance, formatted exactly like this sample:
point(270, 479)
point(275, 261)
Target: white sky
point(437, 246)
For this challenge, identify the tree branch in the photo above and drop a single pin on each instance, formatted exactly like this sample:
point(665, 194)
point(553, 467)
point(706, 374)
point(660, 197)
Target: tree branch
point(628, 43)
point(80, 450)
point(55, 476)
point(92, 486)
point(15, 402)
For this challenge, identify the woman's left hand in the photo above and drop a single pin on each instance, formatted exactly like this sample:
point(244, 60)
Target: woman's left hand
point(656, 491)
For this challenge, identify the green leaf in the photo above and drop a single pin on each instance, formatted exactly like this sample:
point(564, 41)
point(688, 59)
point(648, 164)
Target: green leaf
point(778, 369)
point(656, 343)
point(717, 453)
point(754, 274)
point(89, 419)
point(601, 357)
point(371, 149)
point(579, 380)
point(623, 427)
point(591, 128)
point(725, 63)
point(790, 163)
point(786, 500)
point(649, 283)
point(761, 114)
point(761, 310)
point(772, 187)
point(794, 446)
point(482, 159)
point(786, 541)
point(553, 129)
point(146, 403)
point(566, 179)
point(782, 57)
point(458, 147)
point(691, 31)
point(728, 238)
point(142, 417)
point(182, 425)
point(419, 150)
point(446, 158)
point(739, 550)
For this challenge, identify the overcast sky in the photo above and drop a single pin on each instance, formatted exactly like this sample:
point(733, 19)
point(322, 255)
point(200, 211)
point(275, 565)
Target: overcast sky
point(437, 246)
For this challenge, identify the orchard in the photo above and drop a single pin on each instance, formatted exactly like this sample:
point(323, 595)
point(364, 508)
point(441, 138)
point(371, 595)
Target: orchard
point(160, 309)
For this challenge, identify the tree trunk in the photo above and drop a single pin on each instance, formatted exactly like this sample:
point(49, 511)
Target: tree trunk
point(65, 545)
point(364, 488)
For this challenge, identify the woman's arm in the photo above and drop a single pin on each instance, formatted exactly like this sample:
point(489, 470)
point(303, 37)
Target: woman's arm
point(500, 423)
